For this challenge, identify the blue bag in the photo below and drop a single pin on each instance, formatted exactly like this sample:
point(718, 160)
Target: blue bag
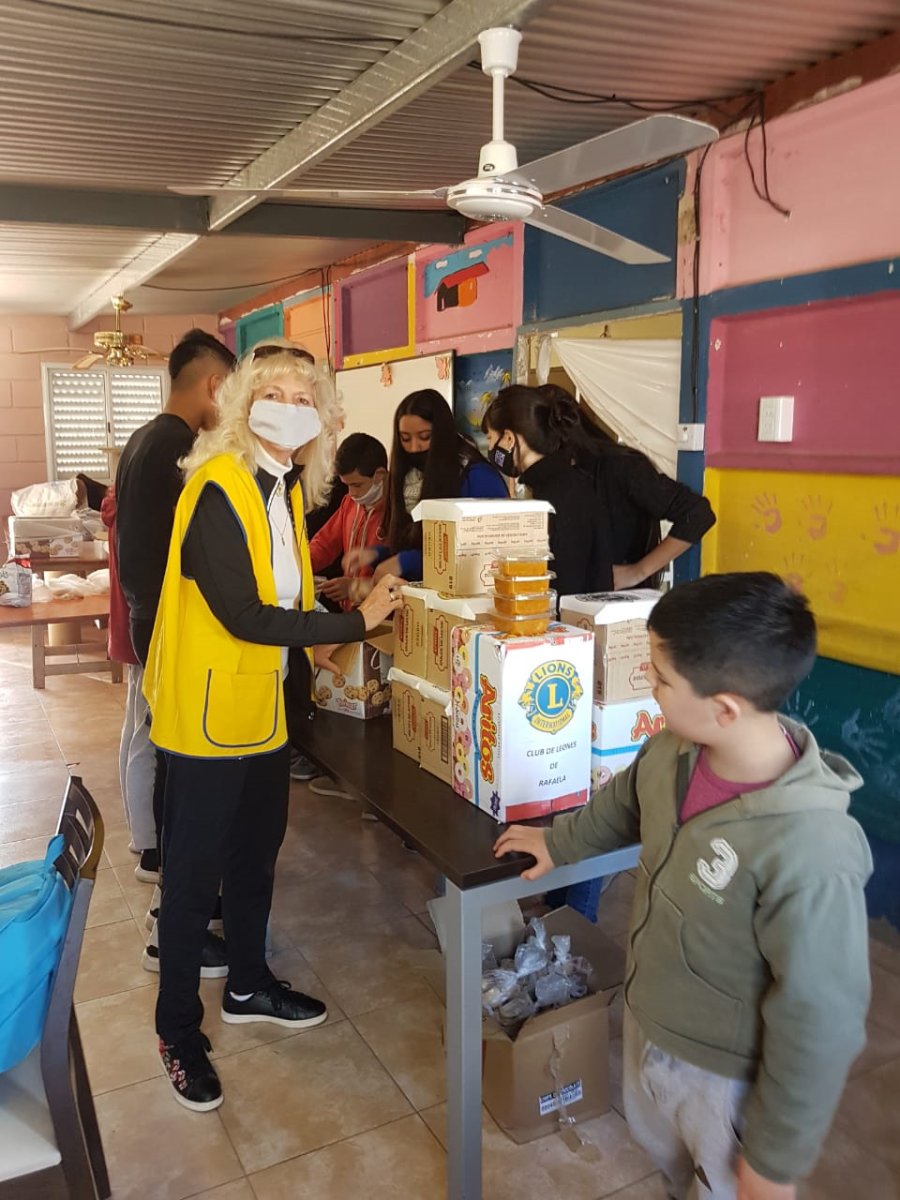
point(34, 914)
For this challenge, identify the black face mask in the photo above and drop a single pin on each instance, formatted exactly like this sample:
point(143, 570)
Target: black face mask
point(417, 459)
point(504, 460)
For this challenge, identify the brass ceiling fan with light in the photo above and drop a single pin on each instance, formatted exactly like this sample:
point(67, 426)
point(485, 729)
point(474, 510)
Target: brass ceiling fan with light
point(112, 347)
point(504, 191)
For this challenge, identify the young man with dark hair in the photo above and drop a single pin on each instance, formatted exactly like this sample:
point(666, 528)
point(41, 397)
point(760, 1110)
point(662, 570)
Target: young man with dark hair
point(748, 984)
point(148, 484)
point(362, 466)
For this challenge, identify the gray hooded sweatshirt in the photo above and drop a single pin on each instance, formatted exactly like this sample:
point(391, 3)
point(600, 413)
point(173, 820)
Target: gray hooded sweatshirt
point(749, 939)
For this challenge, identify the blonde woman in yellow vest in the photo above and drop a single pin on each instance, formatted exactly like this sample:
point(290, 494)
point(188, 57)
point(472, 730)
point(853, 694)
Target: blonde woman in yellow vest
point(235, 621)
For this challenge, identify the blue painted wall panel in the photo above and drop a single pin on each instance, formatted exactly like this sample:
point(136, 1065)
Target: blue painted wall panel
point(565, 280)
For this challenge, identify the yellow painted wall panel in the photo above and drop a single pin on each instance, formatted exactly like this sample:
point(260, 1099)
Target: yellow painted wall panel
point(835, 537)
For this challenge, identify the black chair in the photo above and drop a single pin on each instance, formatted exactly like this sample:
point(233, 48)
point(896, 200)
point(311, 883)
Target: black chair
point(49, 1138)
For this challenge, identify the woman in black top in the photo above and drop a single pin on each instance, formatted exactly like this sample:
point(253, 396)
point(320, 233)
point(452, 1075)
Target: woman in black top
point(609, 499)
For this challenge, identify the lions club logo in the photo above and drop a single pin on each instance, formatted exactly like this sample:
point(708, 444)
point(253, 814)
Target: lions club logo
point(551, 693)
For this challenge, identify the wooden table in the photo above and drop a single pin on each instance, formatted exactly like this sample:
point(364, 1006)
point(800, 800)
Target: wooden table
point(39, 617)
point(91, 557)
point(457, 838)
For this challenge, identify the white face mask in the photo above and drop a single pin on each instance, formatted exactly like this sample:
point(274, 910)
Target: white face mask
point(287, 425)
point(372, 496)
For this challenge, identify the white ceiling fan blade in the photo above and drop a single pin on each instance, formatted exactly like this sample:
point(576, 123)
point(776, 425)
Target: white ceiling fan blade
point(323, 195)
point(661, 136)
point(585, 233)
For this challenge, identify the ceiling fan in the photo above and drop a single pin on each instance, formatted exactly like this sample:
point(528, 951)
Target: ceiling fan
point(502, 190)
point(112, 347)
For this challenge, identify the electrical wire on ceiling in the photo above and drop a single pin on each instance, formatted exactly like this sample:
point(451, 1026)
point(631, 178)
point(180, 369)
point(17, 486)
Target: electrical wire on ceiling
point(224, 287)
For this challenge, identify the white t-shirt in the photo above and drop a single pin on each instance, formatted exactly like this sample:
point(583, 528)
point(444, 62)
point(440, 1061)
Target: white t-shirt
point(285, 560)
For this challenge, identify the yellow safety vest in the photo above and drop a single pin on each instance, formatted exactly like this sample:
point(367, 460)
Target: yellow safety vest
point(210, 694)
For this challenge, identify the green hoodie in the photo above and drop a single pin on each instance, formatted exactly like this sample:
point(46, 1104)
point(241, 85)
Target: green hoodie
point(749, 940)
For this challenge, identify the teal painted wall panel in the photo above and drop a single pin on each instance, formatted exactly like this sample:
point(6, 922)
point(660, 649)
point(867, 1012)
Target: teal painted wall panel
point(257, 326)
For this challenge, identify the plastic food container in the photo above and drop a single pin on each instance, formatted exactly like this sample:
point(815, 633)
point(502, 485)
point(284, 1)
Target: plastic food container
point(526, 626)
point(515, 565)
point(525, 604)
point(517, 585)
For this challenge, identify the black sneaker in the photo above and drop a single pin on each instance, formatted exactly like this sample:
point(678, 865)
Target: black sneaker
point(191, 1074)
point(278, 1005)
point(213, 963)
point(302, 769)
point(147, 869)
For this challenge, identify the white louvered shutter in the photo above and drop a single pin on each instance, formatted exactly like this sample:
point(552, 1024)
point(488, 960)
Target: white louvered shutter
point(135, 397)
point(76, 413)
point(86, 411)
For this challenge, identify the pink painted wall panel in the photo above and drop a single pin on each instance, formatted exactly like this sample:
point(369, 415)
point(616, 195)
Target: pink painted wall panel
point(834, 165)
point(840, 361)
point(482, 316)
point(372, 309)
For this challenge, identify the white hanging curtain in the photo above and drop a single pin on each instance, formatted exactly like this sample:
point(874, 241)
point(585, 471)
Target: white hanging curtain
point(633, 387)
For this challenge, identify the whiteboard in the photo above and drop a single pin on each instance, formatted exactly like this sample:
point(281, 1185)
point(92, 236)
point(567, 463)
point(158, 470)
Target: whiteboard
point(370, 395)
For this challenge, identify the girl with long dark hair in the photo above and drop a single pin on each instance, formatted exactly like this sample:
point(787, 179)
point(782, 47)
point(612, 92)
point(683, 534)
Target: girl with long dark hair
point(540, 436)
point(429, 461)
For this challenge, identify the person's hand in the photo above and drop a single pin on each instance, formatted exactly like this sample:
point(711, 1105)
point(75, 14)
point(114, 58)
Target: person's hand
point(628, 575)
point(323, 660)
point(336, 589)
point(526, 840)
point(752, 1186)
point(390, 566)
point(358, 560)
point(383, 600)
point(358, 590)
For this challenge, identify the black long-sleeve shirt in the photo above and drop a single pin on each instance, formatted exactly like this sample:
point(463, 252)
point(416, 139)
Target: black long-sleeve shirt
point(148, 484)
point(215, 555)
point(579, 528)
point(637, 497)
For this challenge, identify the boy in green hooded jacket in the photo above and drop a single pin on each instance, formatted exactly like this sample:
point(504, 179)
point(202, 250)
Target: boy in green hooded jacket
point(748, 979)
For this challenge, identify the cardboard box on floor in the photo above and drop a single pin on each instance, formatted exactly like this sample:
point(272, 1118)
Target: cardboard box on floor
point(406, 713)
point(461, 539)
point(522, 720)
point(362, 689)
point(559, 1063)
point(621, 641)
point(559, 1055)
point(617, 733)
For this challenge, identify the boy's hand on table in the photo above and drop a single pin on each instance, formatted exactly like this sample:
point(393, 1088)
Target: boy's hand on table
point(752, 1186)
point(524, 839)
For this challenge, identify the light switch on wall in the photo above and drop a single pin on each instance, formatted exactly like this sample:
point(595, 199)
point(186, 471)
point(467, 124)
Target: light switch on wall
point(776, 419)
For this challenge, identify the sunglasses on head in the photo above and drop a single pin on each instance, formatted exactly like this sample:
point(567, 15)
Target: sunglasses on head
point(269, 350)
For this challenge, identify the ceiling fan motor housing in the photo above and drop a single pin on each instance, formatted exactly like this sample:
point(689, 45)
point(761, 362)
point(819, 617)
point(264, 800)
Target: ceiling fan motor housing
point(501, 199)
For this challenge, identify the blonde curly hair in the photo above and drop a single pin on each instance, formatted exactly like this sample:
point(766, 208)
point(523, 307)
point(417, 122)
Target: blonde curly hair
point(232, 434)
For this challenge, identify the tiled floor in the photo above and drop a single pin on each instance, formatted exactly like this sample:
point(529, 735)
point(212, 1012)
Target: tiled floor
point(355, 1107)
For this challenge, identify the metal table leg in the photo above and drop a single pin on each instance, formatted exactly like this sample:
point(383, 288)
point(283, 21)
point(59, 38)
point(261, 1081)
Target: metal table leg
point(463, 1043)
point(463, 912)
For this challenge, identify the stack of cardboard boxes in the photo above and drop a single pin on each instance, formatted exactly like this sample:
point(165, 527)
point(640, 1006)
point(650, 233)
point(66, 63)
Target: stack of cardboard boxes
point(624, 711)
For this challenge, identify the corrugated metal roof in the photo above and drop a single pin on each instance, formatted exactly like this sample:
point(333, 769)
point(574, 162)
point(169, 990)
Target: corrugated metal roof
point(44, 268)
point(647, 49)
point(97, 93)
point(93, 92)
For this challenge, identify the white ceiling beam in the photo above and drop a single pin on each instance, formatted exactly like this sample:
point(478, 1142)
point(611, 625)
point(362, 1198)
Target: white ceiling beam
point(142, 267)
point(418, 63)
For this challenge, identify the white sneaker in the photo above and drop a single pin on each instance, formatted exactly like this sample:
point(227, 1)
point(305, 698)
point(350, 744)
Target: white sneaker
point(323, 786)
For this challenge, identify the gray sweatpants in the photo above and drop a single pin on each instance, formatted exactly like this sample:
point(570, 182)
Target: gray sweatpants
point(137, 764)
point(686, 1119)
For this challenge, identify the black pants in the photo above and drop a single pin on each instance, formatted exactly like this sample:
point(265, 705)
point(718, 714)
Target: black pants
point(141, 633)
point(225, 820)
